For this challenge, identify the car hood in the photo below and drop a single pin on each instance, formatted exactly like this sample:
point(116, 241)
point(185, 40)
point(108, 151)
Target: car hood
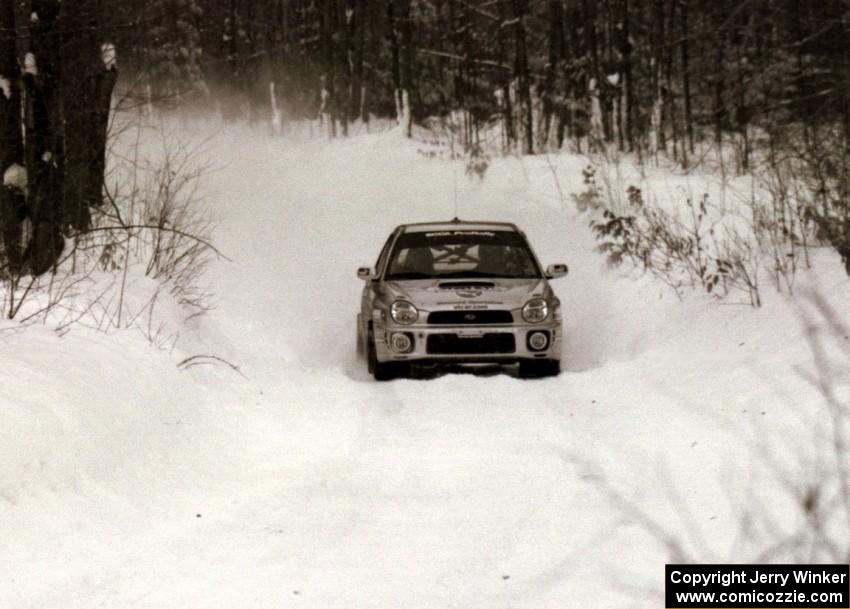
point(448, 294)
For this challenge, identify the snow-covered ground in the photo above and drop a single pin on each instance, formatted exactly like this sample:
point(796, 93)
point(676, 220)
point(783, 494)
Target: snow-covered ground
point(127, 482)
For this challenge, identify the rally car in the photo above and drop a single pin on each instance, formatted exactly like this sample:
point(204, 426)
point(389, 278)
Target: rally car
point(459, 293)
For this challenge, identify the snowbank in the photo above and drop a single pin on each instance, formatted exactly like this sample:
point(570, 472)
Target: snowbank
point(125, 481)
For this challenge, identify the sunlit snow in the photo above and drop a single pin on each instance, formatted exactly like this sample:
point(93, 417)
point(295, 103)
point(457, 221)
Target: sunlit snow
point(127, 482)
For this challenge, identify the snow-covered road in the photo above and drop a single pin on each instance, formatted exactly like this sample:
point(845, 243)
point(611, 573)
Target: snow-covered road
point(125, 482)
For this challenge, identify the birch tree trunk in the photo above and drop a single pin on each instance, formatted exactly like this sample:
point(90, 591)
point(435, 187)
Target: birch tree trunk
point(406, 27)
point(357, 91)
point(505, 97)
point(402, 59)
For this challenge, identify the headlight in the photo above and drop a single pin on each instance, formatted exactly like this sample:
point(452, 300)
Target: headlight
point(403, 312)
point(535, 311)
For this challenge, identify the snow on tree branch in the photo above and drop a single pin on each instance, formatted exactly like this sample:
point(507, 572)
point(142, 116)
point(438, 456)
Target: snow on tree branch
point(109, 56)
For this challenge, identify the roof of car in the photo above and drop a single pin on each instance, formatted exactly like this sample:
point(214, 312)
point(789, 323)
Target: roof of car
point(457, 224)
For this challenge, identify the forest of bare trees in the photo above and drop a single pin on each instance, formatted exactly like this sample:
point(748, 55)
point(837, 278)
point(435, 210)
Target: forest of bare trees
point(646, 75)
point(749, 83)
point(651, 77)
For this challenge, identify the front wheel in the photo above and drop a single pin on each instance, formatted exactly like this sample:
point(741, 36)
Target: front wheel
point(359, 339)
point(539, 368)
point(382, 371)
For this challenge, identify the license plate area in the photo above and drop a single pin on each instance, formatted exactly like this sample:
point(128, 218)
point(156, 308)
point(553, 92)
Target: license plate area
point(494, 343)
point(470, 333)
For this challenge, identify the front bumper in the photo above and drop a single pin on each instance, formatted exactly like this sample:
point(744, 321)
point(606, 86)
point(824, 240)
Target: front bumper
point(469, 344)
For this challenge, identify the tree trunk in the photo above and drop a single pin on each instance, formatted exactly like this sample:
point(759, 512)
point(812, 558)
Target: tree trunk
point(719, 110)
point(12, 201)
point(60, 137)
point(86, 83)
point(576, 81)
point(686, 76)
point(597, 119)
point(668, 79)
point(406, 27)
point(395, 58)
point(522, 76)
point(45, 144)
point(329, 101)
point(402, 62)
point(358, 83)
point(657, 65)
point(627, 85)
point(506, 101)
point(556, 46)
point(345, 19)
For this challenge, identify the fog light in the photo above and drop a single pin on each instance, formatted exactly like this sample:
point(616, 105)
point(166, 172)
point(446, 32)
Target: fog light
point(538, 341)
point(401, 342)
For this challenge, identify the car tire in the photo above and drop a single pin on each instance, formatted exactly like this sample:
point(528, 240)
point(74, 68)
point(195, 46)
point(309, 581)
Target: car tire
point(382, 371)
point(539, 368)
point(387, 371)
point(371, 358)
point(359, 339)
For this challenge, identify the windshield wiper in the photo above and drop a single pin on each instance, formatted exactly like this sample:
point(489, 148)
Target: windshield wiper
point(474, 274)
point(464, 275)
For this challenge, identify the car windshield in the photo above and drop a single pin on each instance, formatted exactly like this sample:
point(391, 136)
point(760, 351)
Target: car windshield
point(452, 254)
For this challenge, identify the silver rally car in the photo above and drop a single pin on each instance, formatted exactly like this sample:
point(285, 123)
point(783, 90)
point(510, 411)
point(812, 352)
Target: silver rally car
point(466, 293)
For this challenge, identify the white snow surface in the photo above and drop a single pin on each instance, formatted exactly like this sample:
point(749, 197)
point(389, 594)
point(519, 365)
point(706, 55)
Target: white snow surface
point(127, 482)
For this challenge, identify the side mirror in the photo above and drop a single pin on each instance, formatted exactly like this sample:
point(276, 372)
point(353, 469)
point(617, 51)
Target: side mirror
point(365, 273)
point(556, 270)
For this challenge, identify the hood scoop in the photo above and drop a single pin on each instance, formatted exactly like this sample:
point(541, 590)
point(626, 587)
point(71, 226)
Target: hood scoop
point(466, 285)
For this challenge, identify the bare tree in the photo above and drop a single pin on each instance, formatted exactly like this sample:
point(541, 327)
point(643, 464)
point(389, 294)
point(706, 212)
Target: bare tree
point(58, 132)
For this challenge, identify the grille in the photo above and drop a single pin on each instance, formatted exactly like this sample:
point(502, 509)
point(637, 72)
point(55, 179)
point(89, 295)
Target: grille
point(470, 317)
point(452, 344)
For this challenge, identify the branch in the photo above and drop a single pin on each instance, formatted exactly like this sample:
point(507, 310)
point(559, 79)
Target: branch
point(127, 227)
point(194, 360)
point(484, 62)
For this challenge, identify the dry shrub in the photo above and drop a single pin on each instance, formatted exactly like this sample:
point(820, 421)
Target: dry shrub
point(149, 244)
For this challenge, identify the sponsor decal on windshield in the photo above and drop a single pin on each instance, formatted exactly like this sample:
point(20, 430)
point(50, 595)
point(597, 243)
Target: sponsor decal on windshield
point(477, 233)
